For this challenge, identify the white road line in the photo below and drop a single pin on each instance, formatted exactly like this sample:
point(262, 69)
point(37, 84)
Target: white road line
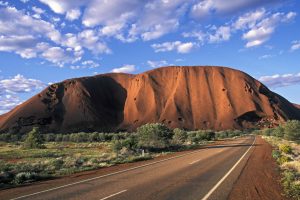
point(113, 195)
point(106, 175)
point(195, 161)
point(227, 174)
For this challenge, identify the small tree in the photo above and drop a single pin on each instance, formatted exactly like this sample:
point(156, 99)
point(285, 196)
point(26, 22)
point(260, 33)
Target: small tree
point(292, 130)
point(154, 136)
point(34, 139)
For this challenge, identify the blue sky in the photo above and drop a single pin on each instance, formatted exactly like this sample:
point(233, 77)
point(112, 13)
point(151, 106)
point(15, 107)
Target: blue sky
point(46, 41)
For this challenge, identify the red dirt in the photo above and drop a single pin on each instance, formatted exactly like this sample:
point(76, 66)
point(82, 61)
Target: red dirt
point(186, 97)
point(260, 179)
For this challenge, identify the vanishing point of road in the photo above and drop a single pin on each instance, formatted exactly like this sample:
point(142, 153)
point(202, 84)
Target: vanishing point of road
point(206, 173)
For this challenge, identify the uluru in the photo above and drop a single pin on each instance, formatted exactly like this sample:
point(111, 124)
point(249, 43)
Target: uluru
point(199, 97)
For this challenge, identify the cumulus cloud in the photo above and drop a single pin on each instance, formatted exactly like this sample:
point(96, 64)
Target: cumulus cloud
point(124, 69)
point(29, 37)
point(295, 45)
point(276, 81)
point(155, 64)
point(20, 84)
point(10, 88)
point(262, 31)
point(222, 33)
point(178, 46)
point(8, 102)
point(87, 64)
point(56, 55)
point(207, 8)
point(73, 14)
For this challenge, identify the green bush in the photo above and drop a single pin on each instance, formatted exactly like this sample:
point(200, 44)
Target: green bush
point(292, 130)
point(276, 154)
point(283, 159)
point(200, 136)
point(278, 132)
point(24, 177)
point(291, 185)
point(154, 136)
point(285, 148)
point(34, 139)
point(267, 131)
point(179, 136)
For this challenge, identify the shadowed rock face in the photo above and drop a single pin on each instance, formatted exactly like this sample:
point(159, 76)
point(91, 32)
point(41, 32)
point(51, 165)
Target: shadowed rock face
point(186, 97)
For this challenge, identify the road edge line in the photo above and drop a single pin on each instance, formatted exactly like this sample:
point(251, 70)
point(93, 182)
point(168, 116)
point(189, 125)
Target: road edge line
point(106, 175)
point(227, 174)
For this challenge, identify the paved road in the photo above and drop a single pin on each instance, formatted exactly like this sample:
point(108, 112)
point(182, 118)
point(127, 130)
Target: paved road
point(208, 173)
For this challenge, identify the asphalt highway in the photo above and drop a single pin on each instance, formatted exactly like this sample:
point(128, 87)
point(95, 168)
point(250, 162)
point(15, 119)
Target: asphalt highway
point(208, 173)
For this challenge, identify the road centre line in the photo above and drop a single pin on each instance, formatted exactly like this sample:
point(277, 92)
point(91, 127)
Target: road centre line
point(111, 174)
point(113, 195)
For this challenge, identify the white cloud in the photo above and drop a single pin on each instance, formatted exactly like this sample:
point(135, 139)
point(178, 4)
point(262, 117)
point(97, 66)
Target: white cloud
point(19, 84)
point(128, 20)
point(276, 81)
point(178, 46)
point(207, 8)
point(61, 7)
point(124, 69)
point(199, 35)
point(73, 14)
point(258, 26)
point(15, 22)
point(295, 45)
point(8, 102)
point(37, 10)
point(22, 45)
point(155, 64)
point(88, 64)
point(10, 88)
point(266, 56)
point(58, 56)
point(249, 19)
point(223, 33)
point(262, 31)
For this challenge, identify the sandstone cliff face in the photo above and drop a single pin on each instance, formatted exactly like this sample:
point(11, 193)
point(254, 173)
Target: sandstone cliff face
point(186, 97)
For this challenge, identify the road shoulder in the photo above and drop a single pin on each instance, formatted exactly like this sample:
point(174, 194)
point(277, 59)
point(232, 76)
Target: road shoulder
point(260, 178)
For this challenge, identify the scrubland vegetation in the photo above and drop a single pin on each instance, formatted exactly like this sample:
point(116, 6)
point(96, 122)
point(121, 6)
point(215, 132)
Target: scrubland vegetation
point(37, 156)
point(286, 142)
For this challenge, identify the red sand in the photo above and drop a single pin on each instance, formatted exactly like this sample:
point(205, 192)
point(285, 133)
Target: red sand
point(260, 179)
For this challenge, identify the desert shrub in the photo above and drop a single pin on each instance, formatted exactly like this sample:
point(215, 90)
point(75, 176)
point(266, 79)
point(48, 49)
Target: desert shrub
point(222, 134)
point(200, 135)
point(57, 163)
point(34, 139)
point(278, 132)
point(285, 148)
point(58, 137)
point(290, 184)
point(179, 136)
point(24, 177)
point(276, 154)
point(283, 159)
point(267, 132)
point(154, 136)
point(234, 133)
point(50, 137)
point(292, 130)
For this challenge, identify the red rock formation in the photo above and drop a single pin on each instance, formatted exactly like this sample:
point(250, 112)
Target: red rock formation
point(186, 97)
